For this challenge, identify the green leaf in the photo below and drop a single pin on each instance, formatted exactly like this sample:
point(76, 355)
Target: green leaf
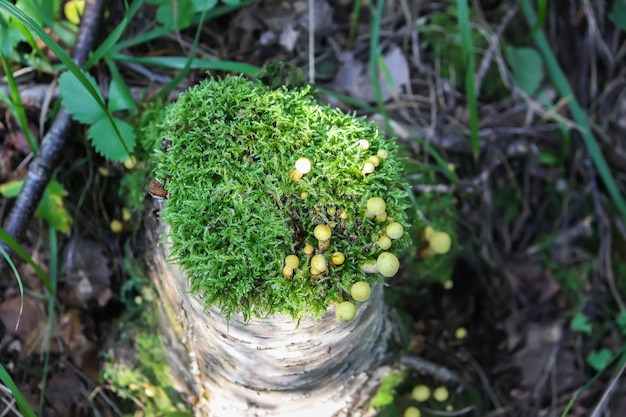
point(182, 11)
point(77, 100)
point(11, 34)
point(120, 97)
point(202, 5)
point(527, 68)
point(618, 14)
point(50, 208)
point(104, 141)
point(41, 11)
point(620, 320)
point(22, 404)
point(580, 323)
point(599, 359)
point(231, 2)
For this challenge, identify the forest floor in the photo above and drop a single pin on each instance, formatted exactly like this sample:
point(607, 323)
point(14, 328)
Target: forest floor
point(539, 278)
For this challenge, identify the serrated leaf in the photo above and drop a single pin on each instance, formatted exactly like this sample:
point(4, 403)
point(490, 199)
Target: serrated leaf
point(120, 97)
point(77, 100)
point(105, 141)
point(527, 68)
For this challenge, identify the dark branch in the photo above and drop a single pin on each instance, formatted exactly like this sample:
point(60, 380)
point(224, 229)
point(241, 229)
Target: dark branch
point(40, 170)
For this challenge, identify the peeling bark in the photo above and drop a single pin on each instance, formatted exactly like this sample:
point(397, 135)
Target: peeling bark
point(272, 366)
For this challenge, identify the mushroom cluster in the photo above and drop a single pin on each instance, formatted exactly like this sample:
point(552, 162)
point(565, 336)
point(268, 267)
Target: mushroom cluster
point(438, 243)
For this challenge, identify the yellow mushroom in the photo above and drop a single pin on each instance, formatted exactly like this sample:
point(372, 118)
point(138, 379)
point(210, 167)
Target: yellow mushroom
point(322, 233)
point(375, 207)
point(318, 264)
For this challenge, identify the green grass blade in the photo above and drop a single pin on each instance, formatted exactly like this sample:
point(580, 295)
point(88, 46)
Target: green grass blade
point(22, 404)
point(470, 70)
point(18, 107)
point(52, 296)
point(175, 62)
point(559, 80)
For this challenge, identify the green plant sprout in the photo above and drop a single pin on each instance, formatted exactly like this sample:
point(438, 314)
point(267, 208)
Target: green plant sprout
point(270, 209)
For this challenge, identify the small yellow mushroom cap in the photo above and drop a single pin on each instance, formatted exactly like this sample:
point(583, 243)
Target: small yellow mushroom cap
point(448, 284)
point(440, 242)
point(295, 175)
point(374, 160)
point(343, 215)
point(130, 162)
point(287, 271)
point(303, 165)
point(360, 291)
point(382, 154)
point(412, 412)
point(395, 230)
point(308, 249)
point(338, 258)
point(428, 233)
point(384, 242)
point(322, 232)
point(376, 206)
point(318, 264)
point(304, 195)
point(331, 211)
point(441, 394)
point(364, 144)
point(387, 264)
point(368, 168)
point(421, 393)
point(460, 333)
point(381, 218)
point(345, 311)
point(116, 226)
point(292, 261)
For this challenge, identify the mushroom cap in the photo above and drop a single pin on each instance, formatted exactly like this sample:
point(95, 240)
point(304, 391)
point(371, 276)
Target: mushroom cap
point(322, 232)
point(308, 249)
point(345, 311)
point(360, 291)
point(428, 233)
point(382, 154)
point(374, 160)
point(338, 258)
point(395, 230)
point(376, 206)
point(412, 412)
point(384, 242)
point(318, 263)
point(303, 165)
point(441, 394)
point(292, 261)
point(387, 264)
point(440, 242)
point(421, 393)
point(368, 168)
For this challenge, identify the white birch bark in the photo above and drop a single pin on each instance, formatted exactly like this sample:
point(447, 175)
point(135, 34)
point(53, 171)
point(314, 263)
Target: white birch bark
point(272, 366)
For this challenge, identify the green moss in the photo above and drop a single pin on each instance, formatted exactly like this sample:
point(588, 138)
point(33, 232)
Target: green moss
point(386, 393)
point(235, 213)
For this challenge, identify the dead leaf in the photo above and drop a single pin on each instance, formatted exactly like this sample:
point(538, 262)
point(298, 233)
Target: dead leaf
point(86, 271)
point(32, 315)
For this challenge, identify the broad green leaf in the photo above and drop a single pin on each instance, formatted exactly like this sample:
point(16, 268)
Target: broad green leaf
point(11, 34)
point(11, 189)
point(41, 11)
point(77, 100)
point(580, 323)
point(176, 15)
point(52, 209)
point(231, 2)
point(618, 14)
point(599, 359)
point(202, 5)
point(120, 97)
point(527, 68)
point(105, 142)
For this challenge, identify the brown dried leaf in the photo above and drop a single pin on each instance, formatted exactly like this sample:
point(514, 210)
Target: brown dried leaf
point(32, 315)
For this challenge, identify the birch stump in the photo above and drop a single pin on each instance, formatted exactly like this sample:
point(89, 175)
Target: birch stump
point(251, 333)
